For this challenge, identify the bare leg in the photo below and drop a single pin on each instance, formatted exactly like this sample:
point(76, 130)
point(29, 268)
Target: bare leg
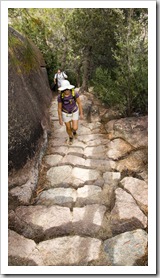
point(69, 129)
point(74, 125)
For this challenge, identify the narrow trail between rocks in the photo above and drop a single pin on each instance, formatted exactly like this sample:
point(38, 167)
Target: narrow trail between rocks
point(69, 221)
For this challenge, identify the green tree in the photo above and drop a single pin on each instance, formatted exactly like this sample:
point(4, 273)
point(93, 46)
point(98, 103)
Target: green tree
point(91, 39)
point(131, 58)
point(126, 84)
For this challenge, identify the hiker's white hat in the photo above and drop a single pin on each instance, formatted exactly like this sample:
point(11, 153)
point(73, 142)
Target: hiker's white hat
point(65, 84)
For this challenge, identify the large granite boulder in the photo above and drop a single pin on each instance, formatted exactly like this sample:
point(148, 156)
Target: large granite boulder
point(29, 96)
point(134, 130)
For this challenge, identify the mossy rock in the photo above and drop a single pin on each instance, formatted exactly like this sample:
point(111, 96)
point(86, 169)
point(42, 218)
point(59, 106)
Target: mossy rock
point(29, 97)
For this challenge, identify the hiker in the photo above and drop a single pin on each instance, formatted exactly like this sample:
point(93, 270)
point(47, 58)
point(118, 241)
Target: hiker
point(69, 109)
point(59, 76)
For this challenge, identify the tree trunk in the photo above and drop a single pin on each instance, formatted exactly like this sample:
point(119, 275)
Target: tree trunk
point(78, 76)
point(86, 68)
point(65, 50)
point(129, 54)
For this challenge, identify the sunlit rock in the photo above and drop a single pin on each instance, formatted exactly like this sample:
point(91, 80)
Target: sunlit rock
point(126, 215)
point(40, 222)
point(138, 189)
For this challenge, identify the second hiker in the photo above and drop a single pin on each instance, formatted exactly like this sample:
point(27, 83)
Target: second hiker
point(69, 109)
point(59, 77)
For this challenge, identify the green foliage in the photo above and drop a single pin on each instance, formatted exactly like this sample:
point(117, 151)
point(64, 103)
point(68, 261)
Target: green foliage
point(92, 29)
point(106, 46)
point(105, 88)
point(126, 85)
point(131, 57)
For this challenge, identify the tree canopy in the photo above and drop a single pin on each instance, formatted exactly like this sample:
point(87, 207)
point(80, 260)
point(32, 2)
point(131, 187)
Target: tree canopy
point(103, 48)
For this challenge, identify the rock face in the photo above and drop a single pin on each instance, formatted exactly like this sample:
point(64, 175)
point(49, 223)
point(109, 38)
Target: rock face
point(29, 96)
point(91, 201)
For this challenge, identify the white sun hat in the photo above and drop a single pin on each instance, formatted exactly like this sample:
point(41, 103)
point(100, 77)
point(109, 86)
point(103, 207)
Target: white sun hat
point(65, 84)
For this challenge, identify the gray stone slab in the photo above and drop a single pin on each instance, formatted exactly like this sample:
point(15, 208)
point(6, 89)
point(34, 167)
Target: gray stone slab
point(58, 196)
point(88, 220)
point(74, 160)
point(80, 175)
point(98, 142)
point(53, 159)
point(87, 139)
point(63, 175)
point(126, 215)
point(69, 250)
point(99, 164)
point(138, 189)
point(98, 151)
point(20, 250)
point(64, 150)
point(40, 222)
point(59, 175)
point(127, 249)
point(88, 194)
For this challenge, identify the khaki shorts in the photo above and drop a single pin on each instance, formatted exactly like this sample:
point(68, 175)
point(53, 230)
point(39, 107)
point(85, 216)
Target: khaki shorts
point(69, 117)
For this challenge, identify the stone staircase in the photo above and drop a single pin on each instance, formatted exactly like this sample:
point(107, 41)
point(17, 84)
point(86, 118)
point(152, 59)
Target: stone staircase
point(82, 212)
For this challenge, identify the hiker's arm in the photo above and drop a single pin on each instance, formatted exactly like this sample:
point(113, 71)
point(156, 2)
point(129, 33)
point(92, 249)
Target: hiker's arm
point(65, 75)
point(60, 113)
point(80, 107)
point(55, 79)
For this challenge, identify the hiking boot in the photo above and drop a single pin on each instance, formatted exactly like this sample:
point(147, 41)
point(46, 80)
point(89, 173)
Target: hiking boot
point(70, 140)
point(75, 135)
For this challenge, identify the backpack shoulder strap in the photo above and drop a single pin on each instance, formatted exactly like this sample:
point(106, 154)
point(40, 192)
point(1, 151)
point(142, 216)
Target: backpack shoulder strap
point(73, 94)
point(62, 96)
